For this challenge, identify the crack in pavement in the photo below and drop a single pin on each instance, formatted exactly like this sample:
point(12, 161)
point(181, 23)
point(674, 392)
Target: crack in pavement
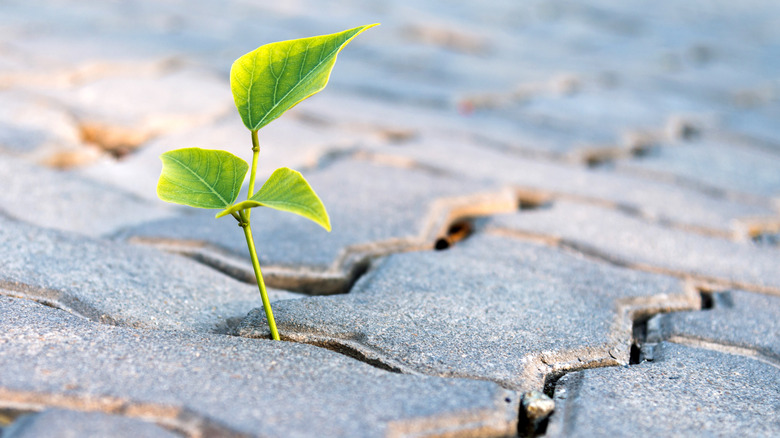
point(353, 260)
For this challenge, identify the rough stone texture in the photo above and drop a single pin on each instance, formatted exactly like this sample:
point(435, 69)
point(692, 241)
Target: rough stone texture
point(720, 166)
point(60, 423)
point(374, 209)
point(118, 283)
point(632, 242)
point(757, 122)
point(738, 318)
point(685, 392)
point(488, 308)
point(288, 142)
point(652, 122)
point(229, 384)
point(155, 104)
point(55, 199)
point(34, 127)
point(655, 200)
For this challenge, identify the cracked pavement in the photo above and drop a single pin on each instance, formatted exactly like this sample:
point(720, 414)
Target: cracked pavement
point(549, 219)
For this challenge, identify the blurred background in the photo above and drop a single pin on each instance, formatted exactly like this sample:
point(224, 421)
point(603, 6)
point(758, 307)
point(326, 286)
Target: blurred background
point(101, 88)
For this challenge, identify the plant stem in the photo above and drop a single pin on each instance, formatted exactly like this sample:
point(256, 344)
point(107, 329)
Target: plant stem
point(253, 170)
point(258, 274)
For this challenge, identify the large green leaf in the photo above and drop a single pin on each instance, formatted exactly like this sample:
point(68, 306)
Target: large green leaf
point(286, 190)
point(201, 178)
point(275, 77)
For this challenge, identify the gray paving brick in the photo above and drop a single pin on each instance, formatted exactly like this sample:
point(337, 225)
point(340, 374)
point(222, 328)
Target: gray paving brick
point(685, 392)
point(488, 308)
point(656, 200)
point(592, 120)
point(374, 209)
point(758, 123)
point(722, 166)
point(119, 283)
point(61, 423)
point(738, 318)
point(445, 99)
point(61, 200)
point(232, 385)
point(33, 127)
point(637, 243)
point(140, 107)
point(288, 142)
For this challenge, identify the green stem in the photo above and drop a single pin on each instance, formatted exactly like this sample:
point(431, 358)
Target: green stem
point(258, 274)
point(253, 170)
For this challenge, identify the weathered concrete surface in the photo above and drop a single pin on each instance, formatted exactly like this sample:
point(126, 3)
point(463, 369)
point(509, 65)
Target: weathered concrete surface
point(34, 127)
point(488, 308)
point(374, 209)
point(230, 385)
point(734, 168)
point(288, 142)
point(61, 423)
point(118, 283)
point(55, 199)
point(679, 205)
point(685, 392)
point(632, 242)
point(750, 322)
point(659, 115)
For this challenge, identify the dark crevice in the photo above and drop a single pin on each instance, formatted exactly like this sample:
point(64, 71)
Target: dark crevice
point(345, 350)
point(643, 150)
point(639, 332)
point(535, 410)
point(766, 238)
point(457, 232)
point(707, 301)
point(600, 160)
point(359, 269)
point(9, 415)
point(533, 202)
point(635, 354)
point(711, 299)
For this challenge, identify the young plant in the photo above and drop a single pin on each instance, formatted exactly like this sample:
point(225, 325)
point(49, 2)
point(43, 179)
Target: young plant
point(265, 83)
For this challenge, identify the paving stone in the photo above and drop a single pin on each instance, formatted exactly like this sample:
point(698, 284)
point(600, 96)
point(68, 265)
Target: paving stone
point(537, 136)
point(738, 318)
point(137, 108)
point(488, 308)
point(61, 200)
point(758, 124)
point(33, 127)
point(721, 166)
point(61, 423)
point(224, 386)
point(684, 392)
point(374, 209)
point(446, 100)
point(634, 242)
point(656, 200)
point(118, 283)
point(288, 142)
point(595, 118)
point(59, 35)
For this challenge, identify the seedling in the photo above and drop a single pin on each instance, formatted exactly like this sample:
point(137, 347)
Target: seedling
point(265, 83)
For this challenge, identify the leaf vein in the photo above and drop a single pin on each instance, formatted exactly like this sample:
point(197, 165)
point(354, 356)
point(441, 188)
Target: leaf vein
point(336, 49)
point(204, 182)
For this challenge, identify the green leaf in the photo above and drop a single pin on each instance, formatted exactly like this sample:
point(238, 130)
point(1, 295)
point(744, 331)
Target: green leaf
point(275, 77)
point(286, 190)
point(201, 178)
